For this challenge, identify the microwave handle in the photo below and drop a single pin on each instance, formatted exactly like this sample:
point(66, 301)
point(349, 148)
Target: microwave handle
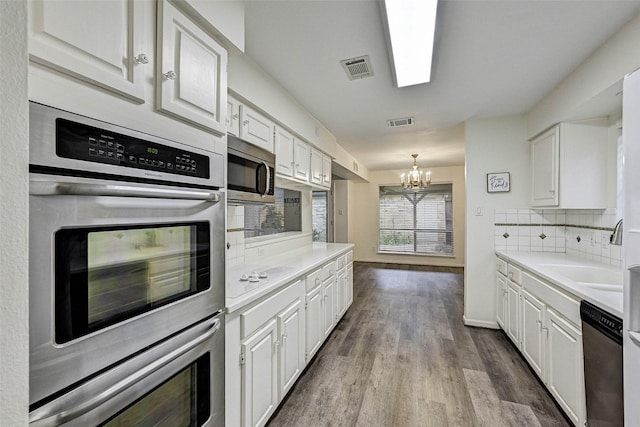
point(42, 188)
point(46, 418)
point(266, 186)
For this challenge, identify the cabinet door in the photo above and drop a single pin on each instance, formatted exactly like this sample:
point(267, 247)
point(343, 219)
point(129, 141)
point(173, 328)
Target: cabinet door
point(260, 375)
point(341, 294)
point(233, 116)
point(349, 285)
point(191, 79)
point(313, 321)
point(565, 374)
point(329, 306)
point(256, 128)
point(97, 42)
point(545, 151)
point(301, 157)
point(326, 171)
point(284, 152)
point(290, 324)
point(501, 300)
point(316, 167)
point(512, 320)
point(533, 340)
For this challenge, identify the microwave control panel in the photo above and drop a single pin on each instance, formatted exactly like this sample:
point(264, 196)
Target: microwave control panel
point(83, 142)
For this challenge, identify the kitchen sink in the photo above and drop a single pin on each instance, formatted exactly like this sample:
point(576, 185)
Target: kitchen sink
point(603, 278)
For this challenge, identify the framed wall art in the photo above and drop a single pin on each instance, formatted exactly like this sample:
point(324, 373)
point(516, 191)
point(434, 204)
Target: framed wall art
point(498, 182)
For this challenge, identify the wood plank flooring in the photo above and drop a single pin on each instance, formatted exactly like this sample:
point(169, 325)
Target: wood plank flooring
point(401, 356)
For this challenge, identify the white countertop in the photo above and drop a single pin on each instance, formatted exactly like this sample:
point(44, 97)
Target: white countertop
point(281, 269)
point(537, 262)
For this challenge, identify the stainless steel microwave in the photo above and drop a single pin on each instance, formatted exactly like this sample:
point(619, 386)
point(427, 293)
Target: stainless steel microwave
point(250, 172)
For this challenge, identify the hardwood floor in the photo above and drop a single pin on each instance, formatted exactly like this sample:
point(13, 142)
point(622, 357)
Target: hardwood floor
point(401, 356)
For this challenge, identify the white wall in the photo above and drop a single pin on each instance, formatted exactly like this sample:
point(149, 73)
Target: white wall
point(14, 214)
point(493, 145)
point(604, 68)
point(363, 217)
point(341, 211)
point(222, 17)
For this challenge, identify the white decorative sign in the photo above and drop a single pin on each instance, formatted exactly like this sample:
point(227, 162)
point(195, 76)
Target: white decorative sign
point(498, 182)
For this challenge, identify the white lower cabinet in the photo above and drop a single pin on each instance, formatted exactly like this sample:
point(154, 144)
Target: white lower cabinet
point(544, 322)
point(314, 324)
point(291, 346)
point(565, 373)
point(501, 300)
point(270, 341)
point(513, 312)
point(533, 332)
point(260, 375)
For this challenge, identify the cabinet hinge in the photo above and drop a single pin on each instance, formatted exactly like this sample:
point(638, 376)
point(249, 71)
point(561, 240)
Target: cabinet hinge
point(306, 355)
point(242, 358)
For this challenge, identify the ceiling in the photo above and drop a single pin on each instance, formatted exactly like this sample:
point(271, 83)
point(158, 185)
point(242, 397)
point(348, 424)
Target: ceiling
point(492, 58)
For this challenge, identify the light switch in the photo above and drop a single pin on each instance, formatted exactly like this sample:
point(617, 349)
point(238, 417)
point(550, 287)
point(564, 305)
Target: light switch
point(479, 211)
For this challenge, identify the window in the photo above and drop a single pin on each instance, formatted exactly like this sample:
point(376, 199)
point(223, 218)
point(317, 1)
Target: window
point(319, 215)
point(279, 217)
point(418, 222)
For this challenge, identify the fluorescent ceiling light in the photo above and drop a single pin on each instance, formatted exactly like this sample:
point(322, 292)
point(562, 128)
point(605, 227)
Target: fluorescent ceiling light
point(410, 31)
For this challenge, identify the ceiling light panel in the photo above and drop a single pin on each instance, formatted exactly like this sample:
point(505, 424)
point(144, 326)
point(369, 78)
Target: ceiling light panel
point(410, 30)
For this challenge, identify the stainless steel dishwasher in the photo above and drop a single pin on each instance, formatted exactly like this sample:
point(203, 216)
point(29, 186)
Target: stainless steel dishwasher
point(602, 346)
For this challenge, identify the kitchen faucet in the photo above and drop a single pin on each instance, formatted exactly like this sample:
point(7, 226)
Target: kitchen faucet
point(616, 237)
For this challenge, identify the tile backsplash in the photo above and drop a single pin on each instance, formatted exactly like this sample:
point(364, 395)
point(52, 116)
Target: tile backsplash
point(584, 233)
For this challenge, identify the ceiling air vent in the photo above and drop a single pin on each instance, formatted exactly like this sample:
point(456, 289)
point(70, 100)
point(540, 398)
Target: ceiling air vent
point(357, 68)
point(405, 121)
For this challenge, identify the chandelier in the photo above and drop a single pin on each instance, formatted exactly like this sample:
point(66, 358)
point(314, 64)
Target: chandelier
point(413, 180)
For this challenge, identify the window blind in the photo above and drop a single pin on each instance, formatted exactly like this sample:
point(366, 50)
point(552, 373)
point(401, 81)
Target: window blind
point(416, 222)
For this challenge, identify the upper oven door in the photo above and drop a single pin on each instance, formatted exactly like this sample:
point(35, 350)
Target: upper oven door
point(115, 267)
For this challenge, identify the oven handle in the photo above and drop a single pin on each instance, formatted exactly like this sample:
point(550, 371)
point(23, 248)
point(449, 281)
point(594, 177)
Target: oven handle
point(42, 188)
point(46, 418)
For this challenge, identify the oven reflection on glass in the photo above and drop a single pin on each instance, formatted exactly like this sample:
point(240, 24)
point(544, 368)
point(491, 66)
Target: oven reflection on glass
point(128, 269)
point(176, 403)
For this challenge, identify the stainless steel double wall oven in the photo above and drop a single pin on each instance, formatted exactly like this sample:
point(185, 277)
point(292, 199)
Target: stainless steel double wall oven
point(126, 276)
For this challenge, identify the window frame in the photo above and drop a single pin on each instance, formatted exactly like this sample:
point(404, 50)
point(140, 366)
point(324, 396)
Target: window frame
point(450, 218)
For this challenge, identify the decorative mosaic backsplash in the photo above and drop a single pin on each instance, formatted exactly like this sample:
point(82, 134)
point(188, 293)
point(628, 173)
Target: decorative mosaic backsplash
point(584, 233)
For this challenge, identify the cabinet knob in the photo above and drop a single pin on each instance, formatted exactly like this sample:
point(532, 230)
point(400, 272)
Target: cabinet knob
point(141, 59)
point(228, 245)
point(169, 75)
point(246, 122)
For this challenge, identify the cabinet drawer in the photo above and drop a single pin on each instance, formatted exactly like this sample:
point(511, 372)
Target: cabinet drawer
point(514, 274)
point(561, 302)
point(313, 279)
point(349, 257)
point(258, 315)
point(328, 270)
point(501, 266)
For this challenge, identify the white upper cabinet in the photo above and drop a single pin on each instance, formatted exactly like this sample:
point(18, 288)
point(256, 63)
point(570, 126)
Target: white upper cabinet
point(326, 171)
point(284, 152)
point(233, 116)
point(320, 168)
point(256, 128)
point(99, 42)
point(191, 78)
point(301, 159)
point(569, 167)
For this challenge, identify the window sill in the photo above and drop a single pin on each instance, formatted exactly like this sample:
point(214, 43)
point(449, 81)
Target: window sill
point(414, 254)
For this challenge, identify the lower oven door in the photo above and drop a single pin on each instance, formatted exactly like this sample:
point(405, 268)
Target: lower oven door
point(178, 382)
point(114, 268)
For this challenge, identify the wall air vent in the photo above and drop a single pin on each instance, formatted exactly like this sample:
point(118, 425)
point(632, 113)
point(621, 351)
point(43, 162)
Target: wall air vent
point(357, 68)
point(405, 121)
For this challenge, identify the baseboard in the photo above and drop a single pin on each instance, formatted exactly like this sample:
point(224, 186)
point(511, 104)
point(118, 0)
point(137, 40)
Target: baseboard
point(480, 323)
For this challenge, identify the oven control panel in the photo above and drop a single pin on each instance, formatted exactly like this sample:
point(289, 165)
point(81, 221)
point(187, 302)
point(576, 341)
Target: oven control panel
point(83, 142)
